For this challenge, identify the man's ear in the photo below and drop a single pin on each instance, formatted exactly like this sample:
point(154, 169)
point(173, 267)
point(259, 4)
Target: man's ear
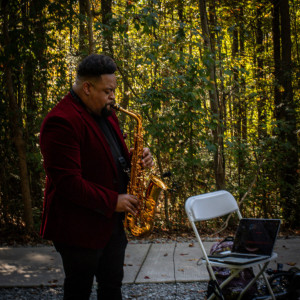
point(86, 87)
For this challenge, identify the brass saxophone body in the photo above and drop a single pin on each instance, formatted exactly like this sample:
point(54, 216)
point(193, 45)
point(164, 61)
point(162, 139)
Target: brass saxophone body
point(142, 223)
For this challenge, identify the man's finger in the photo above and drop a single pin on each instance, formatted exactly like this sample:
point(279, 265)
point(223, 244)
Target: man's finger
point(131, 209)
point(133, 199)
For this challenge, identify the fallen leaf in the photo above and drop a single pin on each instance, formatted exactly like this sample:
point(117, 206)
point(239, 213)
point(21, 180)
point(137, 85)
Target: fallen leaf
point(53, 281)
point(191, 245)
point(146, 277)
point(181, 270)
point(166, 254)
point(184, 254)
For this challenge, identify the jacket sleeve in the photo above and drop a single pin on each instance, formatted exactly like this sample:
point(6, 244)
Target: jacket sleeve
point(60, 146)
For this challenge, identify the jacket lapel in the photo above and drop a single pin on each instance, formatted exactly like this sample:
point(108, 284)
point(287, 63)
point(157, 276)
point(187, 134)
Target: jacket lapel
point(95, 128)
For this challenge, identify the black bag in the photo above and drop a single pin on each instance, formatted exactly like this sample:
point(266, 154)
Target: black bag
point(233, 289)
point(294, 290)
point(285, 284)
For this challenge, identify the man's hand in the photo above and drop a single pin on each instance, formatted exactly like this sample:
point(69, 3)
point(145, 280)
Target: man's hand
point(147, 158)
point(127, 203)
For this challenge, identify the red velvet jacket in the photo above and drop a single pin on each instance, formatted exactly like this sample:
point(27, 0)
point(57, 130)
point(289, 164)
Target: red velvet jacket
point(82, 181)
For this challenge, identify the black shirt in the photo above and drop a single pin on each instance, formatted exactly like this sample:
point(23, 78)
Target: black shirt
point(115, 147)
point(116, 151)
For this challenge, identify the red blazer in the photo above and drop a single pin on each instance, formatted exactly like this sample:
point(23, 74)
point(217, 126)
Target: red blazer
point(82, 182)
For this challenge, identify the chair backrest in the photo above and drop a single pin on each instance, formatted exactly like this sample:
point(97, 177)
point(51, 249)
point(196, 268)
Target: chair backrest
point(211, 205)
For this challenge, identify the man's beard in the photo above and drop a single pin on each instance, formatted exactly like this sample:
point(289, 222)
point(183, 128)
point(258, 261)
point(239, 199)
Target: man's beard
point(106, 112)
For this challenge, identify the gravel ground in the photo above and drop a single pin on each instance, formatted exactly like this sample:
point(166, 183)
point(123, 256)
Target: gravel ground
point(167, 291)
point(151, 291)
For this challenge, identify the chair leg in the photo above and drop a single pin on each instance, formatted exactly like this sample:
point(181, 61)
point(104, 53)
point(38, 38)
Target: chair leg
point(212, 277)
point(234, 273)
point(261, 272)
point(268, 285)
point(215, 290)
point(226, 281)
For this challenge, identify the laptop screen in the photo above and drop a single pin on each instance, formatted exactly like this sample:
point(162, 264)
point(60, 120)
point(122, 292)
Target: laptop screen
point(256, 236)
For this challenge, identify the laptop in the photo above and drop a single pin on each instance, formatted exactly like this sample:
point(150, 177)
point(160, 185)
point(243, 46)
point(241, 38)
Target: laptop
point(254, 241)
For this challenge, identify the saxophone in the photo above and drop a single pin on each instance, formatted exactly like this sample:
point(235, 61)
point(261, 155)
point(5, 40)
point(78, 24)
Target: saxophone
point(142, 223)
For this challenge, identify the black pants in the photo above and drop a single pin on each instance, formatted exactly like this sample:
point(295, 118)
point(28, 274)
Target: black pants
point(81, 265)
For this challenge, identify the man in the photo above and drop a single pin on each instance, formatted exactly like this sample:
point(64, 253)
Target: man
point(85, 158)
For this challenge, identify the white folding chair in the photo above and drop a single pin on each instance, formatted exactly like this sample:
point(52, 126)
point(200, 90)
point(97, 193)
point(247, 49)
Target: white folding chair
point(213, 205)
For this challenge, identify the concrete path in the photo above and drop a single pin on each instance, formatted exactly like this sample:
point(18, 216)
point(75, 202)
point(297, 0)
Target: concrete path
point(144, 263)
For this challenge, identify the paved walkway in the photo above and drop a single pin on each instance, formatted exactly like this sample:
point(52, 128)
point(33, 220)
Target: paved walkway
point(144, 263)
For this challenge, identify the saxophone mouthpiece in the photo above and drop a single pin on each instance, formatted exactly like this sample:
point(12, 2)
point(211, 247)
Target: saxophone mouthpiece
point(116, 106)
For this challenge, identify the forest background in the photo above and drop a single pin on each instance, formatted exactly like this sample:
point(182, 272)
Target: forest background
point(217, 84)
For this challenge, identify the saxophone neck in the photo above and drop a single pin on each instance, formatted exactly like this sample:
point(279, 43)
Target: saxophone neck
point(137, 117)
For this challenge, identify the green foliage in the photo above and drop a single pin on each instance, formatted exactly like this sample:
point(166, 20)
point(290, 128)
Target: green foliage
point(164, 76)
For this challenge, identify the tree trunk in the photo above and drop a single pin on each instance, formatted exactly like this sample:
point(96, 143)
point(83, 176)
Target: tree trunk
point(261, 98)
point(83, 49)
point(86, 38)
point(285, 113)
point(219, 168)
point(290, 166)
point(236, 101)
point(34, 83)
point(106, 12)
point(17, 129)
point(90, 27)
point(261, 104)
point(243, 104)
point(181, 28)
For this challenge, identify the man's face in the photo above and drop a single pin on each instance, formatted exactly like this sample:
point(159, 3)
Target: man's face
point(101, 94)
